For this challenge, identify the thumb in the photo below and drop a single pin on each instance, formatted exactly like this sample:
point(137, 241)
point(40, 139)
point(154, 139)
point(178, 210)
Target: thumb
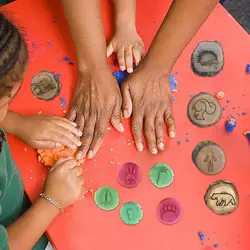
point(127, 101)
point(116, 118)
point(110, 50)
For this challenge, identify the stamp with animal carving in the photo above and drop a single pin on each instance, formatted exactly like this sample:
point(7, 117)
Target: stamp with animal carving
point(204, 110)
point(222, 197)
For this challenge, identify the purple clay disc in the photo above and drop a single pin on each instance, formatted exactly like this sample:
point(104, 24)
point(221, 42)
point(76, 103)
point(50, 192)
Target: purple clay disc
point(129, 175)
point(169, 211)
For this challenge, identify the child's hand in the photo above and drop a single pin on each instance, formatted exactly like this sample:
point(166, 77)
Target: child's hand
point(42, 131)
point(128, 45)
point(64, 183)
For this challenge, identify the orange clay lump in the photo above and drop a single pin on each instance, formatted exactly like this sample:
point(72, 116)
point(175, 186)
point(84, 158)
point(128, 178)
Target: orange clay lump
point(49, 156)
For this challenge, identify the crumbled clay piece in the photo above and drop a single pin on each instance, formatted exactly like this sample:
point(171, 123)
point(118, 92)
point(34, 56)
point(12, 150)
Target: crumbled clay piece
point(230, 124)
point(248, 68)
point(131, 213)
point(220, 95)
point(49, 156)
point(247, 134)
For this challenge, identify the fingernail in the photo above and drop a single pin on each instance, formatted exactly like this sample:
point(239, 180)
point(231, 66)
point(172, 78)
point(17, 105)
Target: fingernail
point(80, 133)
point(122, 68)
point(121, 127)
point(79, 155)
point(125, 114)
point(90, 154)
point(130, 70)
point(172, 134)
point(154, 151)
point(161, 146)
point(74, 124)
point(78, 143)
point(140, 147)
point(58, 145)
point(74, 146)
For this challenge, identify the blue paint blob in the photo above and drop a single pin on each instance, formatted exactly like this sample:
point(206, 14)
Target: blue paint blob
point(34, 44)
point(173, 98)
point(230, 124)
point(248, 68)
point(62, 99)
point(65, 59)
point(201, 235)
point(178, 143)
point(187, 140)
point(63, 104)
point(244, 113)
point(71, 63)
point(247, 134)
point(58, 76)
point(120, 76)
point(216, 245)
point(173, 83)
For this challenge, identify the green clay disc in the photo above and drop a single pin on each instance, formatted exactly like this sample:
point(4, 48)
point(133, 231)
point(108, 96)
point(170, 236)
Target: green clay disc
point(131, 213)
point(161, 175)
point(106, 198)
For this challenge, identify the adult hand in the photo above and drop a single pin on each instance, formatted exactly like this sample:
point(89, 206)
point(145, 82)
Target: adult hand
point(128, 45)
point(42, 131)
point(147, 93)
point(96, 100)
point(64, 183)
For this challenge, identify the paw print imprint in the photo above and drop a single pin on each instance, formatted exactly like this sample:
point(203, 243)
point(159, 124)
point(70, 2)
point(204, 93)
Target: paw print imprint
point(167, 211)
point(130, 174)
point(106, 198)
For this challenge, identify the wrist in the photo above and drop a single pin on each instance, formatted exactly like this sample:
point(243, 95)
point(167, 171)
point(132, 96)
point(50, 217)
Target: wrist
point(92, 66)
point(46, 205)
point(125, 25)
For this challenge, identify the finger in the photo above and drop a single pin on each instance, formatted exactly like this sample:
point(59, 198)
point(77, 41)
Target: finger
point(121, 59)
point(170, 121)
point(137, 122)
point(137, 55)
point(83, 192)
point(99, 134)
point(149, 131)
point(86, 138)
point(141, 49)
point(81, 180)
point(59, 162)
point(68, 164)
point(80, 122)
point(116, 119)
point(63, 137)
point(127, 101)
point(69, 127)
point(71, 114)
point(110, 50)
point(77, 171)
point(47, 144)
point(129, 60)
point(73, 141)
point(65, 120)
point(159, 130)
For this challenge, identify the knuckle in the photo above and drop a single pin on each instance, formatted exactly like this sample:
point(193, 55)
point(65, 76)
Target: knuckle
point(99, 134)
point(149, 129)
point(137, 127)
point(159, 124)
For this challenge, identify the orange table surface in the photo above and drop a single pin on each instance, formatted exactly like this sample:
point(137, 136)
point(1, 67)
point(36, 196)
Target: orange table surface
point(84, 225)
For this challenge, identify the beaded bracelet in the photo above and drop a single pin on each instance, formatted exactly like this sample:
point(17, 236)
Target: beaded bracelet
point(51, 201)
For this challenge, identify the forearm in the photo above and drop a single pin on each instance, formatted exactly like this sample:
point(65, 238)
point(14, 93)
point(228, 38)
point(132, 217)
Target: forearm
point(85, 22)
point(27, 230)
point(11, 123)
point(125, 12)
point(180, 25)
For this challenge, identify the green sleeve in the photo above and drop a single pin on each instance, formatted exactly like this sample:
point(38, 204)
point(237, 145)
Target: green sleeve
point(3, 239)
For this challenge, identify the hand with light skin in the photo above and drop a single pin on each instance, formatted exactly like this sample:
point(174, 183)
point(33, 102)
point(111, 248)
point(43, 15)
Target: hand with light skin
point(126, 42)
point(42, 131)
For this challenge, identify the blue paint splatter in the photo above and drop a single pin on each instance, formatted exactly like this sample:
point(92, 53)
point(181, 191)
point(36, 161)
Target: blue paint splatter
point(49, 43)
point(178, 143)
point(58, 76)
point(173, 83)
point(216, 245)
point(65, 59)
point(63, 104)
point(187, 140)
point(228, 101)
point(230, 124)
point(244, 113)
point(71, 63)
point(34, 44)
point(201, 235)
point(247, 134)
point(62, 99)
point(248, 68)
point(173, 98)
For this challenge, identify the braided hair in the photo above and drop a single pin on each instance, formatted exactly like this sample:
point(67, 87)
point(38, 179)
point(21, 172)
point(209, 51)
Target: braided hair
point(13, 56)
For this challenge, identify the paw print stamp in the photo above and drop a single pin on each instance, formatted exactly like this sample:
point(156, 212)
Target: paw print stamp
point(129, 175)
point(169, 211)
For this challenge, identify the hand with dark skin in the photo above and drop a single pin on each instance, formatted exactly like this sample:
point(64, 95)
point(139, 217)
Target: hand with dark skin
point(97, 98)
point(146, 93)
